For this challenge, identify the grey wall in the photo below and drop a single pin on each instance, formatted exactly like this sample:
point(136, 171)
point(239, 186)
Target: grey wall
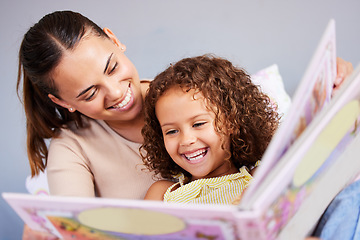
point(253, 34)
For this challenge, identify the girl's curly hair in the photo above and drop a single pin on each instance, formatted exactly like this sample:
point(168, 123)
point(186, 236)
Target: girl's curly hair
point(240, 108)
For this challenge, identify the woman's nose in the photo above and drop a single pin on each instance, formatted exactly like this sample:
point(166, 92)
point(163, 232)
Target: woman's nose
point(114, 91)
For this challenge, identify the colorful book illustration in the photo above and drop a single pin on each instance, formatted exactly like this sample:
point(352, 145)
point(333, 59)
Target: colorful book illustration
point(295, 182)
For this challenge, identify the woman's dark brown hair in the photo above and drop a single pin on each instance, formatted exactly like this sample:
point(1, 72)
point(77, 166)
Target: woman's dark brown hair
point(240, 108)
point(40, 52)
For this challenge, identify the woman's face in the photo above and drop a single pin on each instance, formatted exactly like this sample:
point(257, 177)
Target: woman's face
point(98, 80)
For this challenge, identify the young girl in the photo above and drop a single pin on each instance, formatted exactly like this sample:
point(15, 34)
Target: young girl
point(206, 125)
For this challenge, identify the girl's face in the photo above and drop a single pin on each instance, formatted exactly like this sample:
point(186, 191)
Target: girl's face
point(189, 134)
point(98, 80)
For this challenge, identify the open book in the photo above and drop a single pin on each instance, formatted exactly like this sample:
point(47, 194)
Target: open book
point(309, 160)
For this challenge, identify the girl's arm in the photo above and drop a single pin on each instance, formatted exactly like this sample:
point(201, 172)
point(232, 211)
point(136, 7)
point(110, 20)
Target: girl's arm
point(157, 190)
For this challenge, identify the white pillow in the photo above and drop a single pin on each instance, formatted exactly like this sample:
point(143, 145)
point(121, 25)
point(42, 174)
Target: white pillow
point(270, 82)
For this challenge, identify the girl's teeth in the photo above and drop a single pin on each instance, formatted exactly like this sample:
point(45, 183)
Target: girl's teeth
point(195, 158)
point(196, 155)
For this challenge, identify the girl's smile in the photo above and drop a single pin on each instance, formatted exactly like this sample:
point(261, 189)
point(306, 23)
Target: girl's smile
point(196, 156)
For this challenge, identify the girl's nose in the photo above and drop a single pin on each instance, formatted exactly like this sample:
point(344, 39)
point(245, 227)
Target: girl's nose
point(187, 138)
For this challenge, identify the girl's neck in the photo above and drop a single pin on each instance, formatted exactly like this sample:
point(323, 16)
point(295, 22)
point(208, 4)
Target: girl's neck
point(226, 169)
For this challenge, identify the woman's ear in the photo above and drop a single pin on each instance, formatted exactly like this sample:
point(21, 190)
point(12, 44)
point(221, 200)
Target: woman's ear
point(112, 36)
point(60, 102)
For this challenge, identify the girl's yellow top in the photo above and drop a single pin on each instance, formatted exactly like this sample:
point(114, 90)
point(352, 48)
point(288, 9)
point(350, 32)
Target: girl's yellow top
point(218, 190)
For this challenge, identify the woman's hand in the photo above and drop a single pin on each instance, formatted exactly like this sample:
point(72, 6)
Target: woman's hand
point(30, 234)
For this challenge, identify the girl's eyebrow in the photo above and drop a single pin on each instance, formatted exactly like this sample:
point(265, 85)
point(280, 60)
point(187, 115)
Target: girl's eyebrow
point(192, 118)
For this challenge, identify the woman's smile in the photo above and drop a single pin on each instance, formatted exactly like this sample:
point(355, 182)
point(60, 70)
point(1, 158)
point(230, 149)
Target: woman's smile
point(126, 102)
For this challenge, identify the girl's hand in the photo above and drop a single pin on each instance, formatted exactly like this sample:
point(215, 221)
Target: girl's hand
point(30, 234)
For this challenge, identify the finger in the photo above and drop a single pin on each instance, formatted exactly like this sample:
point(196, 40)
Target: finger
point(344, 69)
point(350, 68)
point(341, 71)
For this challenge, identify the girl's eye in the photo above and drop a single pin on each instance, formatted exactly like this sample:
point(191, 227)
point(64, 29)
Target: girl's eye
point(91, 95)
point(113, 68)
point(170, 132)
point(199, 124)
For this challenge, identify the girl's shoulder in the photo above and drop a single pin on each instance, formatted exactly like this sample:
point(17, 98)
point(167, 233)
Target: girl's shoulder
point(158, 189)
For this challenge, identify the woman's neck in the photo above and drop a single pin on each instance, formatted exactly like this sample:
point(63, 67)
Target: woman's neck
point(130, 130)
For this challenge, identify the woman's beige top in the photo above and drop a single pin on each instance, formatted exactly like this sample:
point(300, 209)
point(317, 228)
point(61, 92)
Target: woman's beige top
point(96, 161)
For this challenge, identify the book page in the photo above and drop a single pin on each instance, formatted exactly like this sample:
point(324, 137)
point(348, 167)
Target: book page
point(110, 219)
point(315, 162)
point(313, 93)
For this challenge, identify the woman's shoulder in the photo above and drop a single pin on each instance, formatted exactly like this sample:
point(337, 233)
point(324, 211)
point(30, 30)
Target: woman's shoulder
point(93, 132)
point(145, 83)
point(96, 136)
point(74, 137)
point(90, 127)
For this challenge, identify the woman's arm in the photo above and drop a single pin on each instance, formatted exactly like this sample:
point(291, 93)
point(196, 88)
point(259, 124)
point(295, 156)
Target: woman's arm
point(68, 172)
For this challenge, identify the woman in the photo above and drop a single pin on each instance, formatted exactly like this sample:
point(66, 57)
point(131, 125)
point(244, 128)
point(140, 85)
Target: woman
point(81, 92)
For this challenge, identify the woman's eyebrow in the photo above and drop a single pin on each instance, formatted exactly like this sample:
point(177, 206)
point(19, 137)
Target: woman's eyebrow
point(107, 63)
point(106, 67)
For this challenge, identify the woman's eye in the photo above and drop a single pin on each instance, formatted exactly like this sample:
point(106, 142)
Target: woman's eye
point(199, 124)
point(113, 68)
point(91, 95)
